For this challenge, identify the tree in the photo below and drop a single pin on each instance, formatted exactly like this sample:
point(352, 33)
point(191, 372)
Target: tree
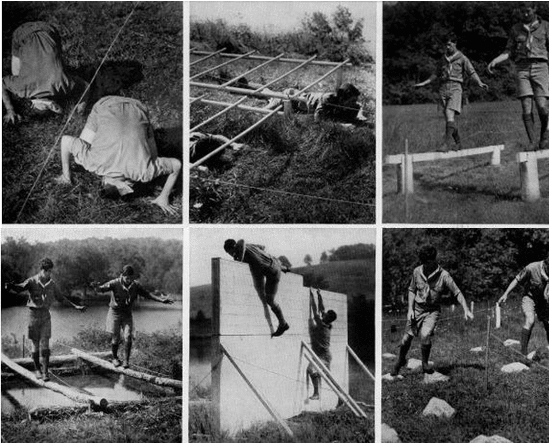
point(323, 257)
point(308, 260)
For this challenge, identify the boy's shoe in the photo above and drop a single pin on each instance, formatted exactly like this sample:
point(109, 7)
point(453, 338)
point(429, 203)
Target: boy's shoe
point(315, 397)
point(428, 369)
point(46, 377)
point(281, 329)
point(116, 362)
point(126, 364)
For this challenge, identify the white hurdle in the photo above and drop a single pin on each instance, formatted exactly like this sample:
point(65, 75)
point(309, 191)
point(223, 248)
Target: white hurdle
point(405, 163)
point(529, 178)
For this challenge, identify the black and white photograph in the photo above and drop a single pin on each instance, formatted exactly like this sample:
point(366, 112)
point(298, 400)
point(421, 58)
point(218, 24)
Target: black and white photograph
point(465, 114)
point(91, 334)
point(92, 123)
point(282, 335)
point(282, 112)
point(465, 335)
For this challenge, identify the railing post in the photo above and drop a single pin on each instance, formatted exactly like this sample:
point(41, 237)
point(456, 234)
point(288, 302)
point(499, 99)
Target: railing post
point(496, 156)
point(529, 180)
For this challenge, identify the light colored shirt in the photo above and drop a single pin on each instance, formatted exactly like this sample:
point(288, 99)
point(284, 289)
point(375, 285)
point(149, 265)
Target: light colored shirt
point(535, 280)
point(429, 290)
point(529, 41)
point(41, 295)
point(123, 296)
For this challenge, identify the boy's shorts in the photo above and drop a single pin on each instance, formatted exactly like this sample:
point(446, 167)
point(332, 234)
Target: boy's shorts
point(39, 324)
point(451, 96)
point(530, 308)
point(533, 79)
point(424, 322)
point(120, 321)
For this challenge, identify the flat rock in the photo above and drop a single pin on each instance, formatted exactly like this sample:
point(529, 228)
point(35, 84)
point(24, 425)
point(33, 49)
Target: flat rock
point(514, 367)
point(388, 377)
point(440, 408)
point(388, 434)
point(477, 349)
point(388, 356)
point(510, 342)
point(415, 364)
point(493, 438)
point(434, 378)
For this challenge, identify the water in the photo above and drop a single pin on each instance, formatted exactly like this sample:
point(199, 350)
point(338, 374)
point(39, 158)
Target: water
point(67, 322)
point(200, 364)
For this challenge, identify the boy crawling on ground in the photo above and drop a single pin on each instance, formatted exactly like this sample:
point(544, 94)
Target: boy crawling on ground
point(118, 144)
point(38, 72)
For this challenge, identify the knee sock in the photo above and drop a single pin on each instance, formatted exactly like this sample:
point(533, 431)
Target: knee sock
point(524, 339)
point(544, 119)
point(45, 360)
point(114, 349)
point(528, 120)
point(450, 130)
point(36, 360)
point(278, 313)
point(454, 131)
point(404, 348)
point(128, 349)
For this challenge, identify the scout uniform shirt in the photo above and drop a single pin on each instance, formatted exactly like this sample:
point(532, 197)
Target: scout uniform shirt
point(429, 290)
point(454, 67)
point(123, 296)
point(535, 279)
point(41, 75)
point(529, 41)
point(254, 255)
point(320, 334)
point(40, 295)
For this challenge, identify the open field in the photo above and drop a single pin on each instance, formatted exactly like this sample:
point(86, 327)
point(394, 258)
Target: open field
point(290, 172)
point(514, 406)
point(467, 190)
point(152, 42)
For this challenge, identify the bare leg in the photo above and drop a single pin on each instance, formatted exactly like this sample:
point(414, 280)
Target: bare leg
point(65, 177)
point(36, 358)
point(163, 200)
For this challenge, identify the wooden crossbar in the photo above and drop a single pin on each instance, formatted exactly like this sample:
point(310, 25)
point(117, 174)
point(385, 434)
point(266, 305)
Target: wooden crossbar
point(241, 91)
point(258, 57)
point(529, 177)
point(244, 107)
point(220, 66)
point(327, 376)
point(234, 139)
point(213, 54)
point(525, 156)
point(425, 157)
point(247, 73)
point(330, 72)
point(219, 114)
point(360, 363)
point(196, 99)
point(276, 416)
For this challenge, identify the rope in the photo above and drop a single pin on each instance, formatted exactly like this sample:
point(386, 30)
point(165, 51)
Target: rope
point(218, 181)
point(517, 352)
point(208, 374)
point(72, 113)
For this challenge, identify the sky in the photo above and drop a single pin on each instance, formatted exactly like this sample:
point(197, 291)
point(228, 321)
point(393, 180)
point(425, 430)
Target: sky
point(35, 233)
point(293, 242)
point(282, 15)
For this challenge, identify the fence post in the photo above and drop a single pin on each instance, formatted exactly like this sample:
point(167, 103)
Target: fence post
point(496, 156)
point(529, 180)
point(487, 351)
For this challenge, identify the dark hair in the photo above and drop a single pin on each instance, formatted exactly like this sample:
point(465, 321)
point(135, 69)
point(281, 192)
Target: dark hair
point(450, 37)
point(46, 264)
point(229, 245)
point(128, 270)
point(330, 316)
point(427, 253)
point(347, 90)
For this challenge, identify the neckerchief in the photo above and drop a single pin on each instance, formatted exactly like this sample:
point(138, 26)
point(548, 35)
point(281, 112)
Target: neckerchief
point(529, 29)
point(44, 287)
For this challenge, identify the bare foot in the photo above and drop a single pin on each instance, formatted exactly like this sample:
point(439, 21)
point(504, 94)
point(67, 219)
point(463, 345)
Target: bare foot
point(62, 180)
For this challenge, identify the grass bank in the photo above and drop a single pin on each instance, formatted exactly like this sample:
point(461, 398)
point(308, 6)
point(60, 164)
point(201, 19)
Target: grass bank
point(468, 190)
point(151, 41)
point(157, 421)
point(514, 406)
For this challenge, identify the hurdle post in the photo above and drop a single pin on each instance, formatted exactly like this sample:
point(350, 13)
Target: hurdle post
point(498, 315)
point(529, 180)
point(496, 156)
point(487, 351)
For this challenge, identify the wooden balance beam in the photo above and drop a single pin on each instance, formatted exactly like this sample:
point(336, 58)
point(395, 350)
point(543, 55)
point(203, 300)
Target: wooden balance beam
point(529, 178)
point(405, 163)
point(166, 382)
point(75, 395)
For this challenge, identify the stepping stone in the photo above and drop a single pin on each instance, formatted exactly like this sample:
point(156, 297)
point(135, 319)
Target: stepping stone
point(493, 438)
point(440, 408)
point(388, 434)
point(510, 342)
point(515, 367)
point(415, 364)
point(435, 377)
point(388, 356)
point(477, 349)
point(388, 377)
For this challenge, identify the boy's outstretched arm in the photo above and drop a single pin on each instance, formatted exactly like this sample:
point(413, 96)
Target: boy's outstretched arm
point(163, 200)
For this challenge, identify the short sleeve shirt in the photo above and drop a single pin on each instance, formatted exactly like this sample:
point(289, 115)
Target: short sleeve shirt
point(40, 295)
point(535, 280)
point(254, 255)
point(42, 74)
point(529, 42)
point(123, 146)
point(429, 290)
point(455, 68)
point(123, 297)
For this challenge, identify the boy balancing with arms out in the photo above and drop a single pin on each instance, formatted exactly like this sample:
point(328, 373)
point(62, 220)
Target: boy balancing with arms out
point(452, 70)
point(429, 283)
point(125, 291)
point(42, 292)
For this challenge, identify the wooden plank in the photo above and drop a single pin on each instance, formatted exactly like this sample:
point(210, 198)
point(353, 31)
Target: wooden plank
point(200, 74)
point(167, 382)
point(360, 363)
point(60, 359)
point(396, 159)
point(525, 156)
point(259, 396)
point(66, 391)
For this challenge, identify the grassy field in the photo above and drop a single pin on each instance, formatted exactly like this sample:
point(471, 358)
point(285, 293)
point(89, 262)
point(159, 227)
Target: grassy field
point(157, 421)
point(467, 190)
point(514, 406)
point(151, 41)
point(290, 172)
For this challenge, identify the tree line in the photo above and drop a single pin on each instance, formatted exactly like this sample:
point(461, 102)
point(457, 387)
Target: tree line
point(481, 261)
point(343, 253)
point(80, 262)
point(413, 43)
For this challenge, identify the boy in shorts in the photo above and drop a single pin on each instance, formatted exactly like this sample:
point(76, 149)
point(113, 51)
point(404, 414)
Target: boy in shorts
point(528, 46)
point(42, 292)
point(38, 72)
point(429, 283)
point(452, 70)
point(125, 290)
point(117, 143)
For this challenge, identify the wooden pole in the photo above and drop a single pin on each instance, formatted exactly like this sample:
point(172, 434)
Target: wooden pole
point(405, 184)
point(247, 73)
point(60, 359)
point(167, 382)
point(244, 107)
point(66, 391)
point(498, 316)
point(220, 113)
point(320, 79)
point(200, 74)
point(487, 352)
point(325, 373)
point(259, 396)
point(209, 56)
point(360, 363)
